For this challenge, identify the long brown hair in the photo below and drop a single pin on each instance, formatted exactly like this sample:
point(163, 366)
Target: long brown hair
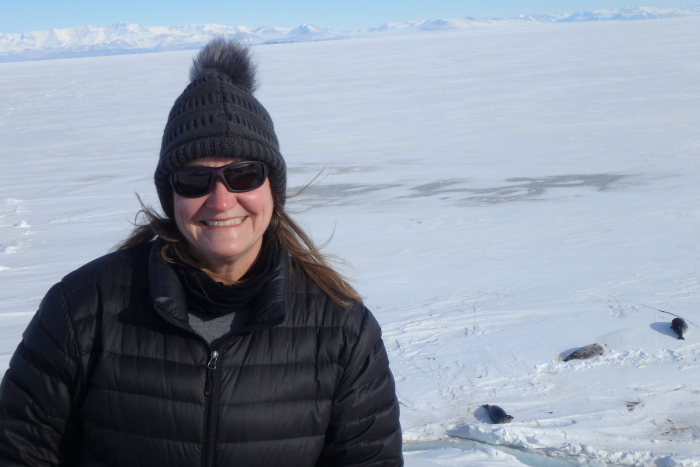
point(291, 237)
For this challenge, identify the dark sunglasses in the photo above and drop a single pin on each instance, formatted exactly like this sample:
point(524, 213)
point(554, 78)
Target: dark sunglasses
point(239, 177)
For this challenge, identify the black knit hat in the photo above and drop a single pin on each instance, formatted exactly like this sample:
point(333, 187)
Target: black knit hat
point(217, 116)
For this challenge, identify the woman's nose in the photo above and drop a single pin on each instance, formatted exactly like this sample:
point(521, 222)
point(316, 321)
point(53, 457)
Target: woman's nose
point(220, 198)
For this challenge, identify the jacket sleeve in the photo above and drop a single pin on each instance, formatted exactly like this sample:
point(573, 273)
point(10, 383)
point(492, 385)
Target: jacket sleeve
point(364, 428)
point(37, 393)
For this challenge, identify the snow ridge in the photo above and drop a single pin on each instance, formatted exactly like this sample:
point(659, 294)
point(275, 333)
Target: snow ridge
point(126, 38)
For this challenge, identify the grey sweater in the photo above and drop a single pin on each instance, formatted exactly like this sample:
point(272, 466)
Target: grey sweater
point(215, 329)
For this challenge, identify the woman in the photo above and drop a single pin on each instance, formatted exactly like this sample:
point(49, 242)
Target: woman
point(216, 335)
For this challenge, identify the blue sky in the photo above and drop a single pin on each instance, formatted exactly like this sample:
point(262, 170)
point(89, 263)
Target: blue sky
point(31, 15)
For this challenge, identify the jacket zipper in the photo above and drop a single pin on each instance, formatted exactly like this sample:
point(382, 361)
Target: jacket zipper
point(211, 389)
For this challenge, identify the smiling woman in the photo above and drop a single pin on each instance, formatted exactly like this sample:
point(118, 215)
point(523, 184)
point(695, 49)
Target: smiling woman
point(217, 333)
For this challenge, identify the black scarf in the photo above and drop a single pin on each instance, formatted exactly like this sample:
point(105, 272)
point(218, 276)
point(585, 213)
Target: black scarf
point(206, 296)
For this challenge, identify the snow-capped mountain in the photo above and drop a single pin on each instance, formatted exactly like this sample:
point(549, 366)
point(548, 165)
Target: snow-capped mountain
point(306, 33)
point(121, 38)
point(623, 14)
point(431, 25)
point(126, 38)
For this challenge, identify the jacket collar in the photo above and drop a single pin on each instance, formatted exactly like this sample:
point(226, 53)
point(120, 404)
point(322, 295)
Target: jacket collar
point(268, 308)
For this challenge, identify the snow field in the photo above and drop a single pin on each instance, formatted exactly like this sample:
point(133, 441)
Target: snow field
point(505, 195)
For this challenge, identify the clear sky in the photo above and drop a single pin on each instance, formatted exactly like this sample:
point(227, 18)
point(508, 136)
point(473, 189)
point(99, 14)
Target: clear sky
point(18, 16)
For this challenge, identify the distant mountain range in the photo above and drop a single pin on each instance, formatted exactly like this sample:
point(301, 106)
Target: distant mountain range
point(128, 38)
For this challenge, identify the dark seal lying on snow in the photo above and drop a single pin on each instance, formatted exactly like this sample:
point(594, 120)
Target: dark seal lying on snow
point(497, 414)
point(680, 327)
point(586, 352)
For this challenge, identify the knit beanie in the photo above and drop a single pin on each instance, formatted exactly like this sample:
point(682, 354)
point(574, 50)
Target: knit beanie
point(218, 116)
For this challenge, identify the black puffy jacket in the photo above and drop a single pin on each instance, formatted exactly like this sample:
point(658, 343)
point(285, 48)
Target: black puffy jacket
point(109, 373)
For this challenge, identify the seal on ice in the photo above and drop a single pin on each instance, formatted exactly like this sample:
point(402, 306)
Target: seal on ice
point(586, 352)
point(680, 327)
point(497, 414)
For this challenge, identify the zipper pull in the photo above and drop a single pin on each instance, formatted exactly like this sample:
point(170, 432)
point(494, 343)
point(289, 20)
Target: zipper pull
point(212, 361)
point(210, 366)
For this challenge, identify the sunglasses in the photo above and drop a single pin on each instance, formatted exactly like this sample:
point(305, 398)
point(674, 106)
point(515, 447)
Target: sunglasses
point(239, 177)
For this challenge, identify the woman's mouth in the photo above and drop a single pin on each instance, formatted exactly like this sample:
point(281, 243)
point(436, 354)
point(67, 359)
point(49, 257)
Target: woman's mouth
point(225, 223)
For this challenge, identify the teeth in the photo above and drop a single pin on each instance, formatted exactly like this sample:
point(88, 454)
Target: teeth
point(234, 221)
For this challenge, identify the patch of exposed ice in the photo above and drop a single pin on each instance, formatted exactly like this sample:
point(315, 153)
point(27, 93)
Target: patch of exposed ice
point(556, 443)
point(485, 456)
point(525, 438)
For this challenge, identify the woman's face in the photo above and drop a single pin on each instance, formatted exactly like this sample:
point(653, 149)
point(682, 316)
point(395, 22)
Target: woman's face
point(248, 215)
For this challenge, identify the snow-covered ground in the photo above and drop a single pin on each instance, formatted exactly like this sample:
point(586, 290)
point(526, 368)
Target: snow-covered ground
point(505, 195)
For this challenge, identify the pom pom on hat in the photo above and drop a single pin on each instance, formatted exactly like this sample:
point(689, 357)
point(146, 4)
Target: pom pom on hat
point(229, 57)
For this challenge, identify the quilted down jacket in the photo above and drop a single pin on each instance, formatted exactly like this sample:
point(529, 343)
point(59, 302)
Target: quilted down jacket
point(110, 374)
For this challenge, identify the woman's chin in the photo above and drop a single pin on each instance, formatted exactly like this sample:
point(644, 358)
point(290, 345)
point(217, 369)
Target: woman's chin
point(221, 248)
point(217, 239)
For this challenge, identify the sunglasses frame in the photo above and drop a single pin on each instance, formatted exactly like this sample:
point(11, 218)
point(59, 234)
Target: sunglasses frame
point(218, 172)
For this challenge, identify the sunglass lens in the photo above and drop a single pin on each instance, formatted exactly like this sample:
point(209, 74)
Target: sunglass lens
point(245, 178)
point(191, 182)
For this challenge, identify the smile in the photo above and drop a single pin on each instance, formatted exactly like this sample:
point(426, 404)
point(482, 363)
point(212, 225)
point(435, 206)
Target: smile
point(226, 223)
